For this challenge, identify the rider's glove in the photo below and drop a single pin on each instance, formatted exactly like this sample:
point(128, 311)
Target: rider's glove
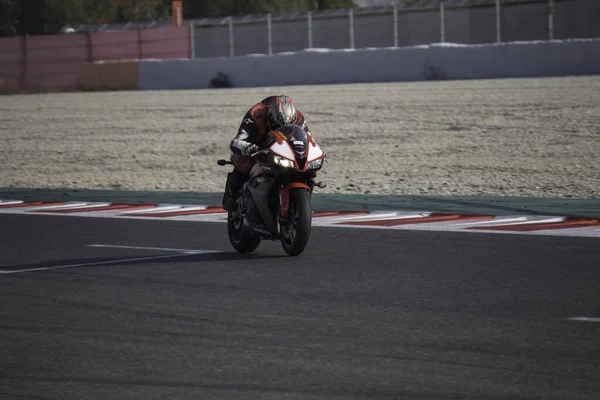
point(251, 149)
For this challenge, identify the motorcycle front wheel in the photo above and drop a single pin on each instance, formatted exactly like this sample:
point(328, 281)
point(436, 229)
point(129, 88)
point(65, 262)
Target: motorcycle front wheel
point(240, 236)
point(295, 231)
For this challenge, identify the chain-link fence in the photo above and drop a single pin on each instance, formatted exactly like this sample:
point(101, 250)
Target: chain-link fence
point(455, 21)
point(57, 60)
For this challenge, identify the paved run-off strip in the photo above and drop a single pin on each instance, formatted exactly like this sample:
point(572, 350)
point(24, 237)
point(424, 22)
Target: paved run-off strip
point(399, 220)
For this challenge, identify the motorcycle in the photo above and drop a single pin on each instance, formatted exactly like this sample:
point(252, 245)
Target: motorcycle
point(275, 203)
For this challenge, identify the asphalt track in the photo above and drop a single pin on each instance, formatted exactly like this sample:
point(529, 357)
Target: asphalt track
point(360, 314)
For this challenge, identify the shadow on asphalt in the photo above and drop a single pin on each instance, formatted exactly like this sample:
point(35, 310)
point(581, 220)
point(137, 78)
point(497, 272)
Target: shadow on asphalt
point(138, 259)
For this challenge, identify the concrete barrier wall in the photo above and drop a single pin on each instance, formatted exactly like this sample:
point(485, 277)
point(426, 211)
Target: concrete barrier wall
point(436, 61)
point(111, 76)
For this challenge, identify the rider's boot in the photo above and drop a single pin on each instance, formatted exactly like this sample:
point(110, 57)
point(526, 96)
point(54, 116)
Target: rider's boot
point(233, 186)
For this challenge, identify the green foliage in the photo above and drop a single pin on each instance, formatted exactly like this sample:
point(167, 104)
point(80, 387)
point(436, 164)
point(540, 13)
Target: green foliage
point(33, 17)
point(9, 11)
point(223, 8)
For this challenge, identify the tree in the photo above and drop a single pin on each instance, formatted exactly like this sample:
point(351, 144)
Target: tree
point(141, 10)
point(327, 4)
point(71, 12)
point(34, 17)
point(9, 10)
point(224, 8)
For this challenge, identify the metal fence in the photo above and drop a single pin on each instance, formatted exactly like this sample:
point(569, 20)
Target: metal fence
point(467, 22)
point(57, 61)
point(428, 21)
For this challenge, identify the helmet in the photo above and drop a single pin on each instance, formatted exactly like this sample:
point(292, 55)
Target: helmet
point(282, 112)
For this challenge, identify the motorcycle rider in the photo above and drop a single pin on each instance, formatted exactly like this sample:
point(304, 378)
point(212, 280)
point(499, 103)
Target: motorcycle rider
point(270, 114)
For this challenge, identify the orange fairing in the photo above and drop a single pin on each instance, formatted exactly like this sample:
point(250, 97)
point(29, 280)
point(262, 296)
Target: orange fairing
point(279, 136)
point(282, 148)
point(284, 196)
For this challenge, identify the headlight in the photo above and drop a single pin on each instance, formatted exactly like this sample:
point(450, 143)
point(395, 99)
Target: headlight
point(283, 162)
point(315, 164)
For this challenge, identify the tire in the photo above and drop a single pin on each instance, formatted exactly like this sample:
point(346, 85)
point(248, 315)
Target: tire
point(296, 231)
point(239, 236)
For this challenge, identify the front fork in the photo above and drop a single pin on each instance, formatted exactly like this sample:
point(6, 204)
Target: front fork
point(284, 196)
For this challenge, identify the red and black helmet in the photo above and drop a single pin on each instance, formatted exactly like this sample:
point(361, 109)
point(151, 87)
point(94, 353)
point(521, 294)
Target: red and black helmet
point(282, 112)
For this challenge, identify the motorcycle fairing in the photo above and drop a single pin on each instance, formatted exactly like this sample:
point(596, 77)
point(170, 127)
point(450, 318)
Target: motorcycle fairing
point(283, 150)
point(297, 147)
point(260, 188)
point(314, 152)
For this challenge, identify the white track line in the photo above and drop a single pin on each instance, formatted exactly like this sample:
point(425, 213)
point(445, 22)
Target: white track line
point(529, 222)
point(373, 217)
point(11, 202)
point(58, 207)
point(188, 251)
point(184, 208)
point(585, 319)
point(124, 260)
point(151, 210)
point(79, 208)
point(492, 221)
point(338, 218)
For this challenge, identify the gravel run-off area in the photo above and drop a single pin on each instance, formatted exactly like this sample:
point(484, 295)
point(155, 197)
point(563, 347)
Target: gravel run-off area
point(507, 137)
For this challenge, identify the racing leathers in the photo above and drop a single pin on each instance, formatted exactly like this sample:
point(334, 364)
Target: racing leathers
point(252, 131)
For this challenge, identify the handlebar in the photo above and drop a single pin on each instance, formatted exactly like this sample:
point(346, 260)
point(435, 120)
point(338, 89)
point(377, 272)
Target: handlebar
point(263, 151)
point(223, 162)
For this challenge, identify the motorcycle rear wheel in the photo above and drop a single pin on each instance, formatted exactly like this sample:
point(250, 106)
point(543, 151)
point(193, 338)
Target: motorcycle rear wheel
point(296, 230)
point(240, 236)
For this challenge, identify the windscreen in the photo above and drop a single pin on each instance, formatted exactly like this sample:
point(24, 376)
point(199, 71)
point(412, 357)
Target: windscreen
point(297, 138)
point(298, 141)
